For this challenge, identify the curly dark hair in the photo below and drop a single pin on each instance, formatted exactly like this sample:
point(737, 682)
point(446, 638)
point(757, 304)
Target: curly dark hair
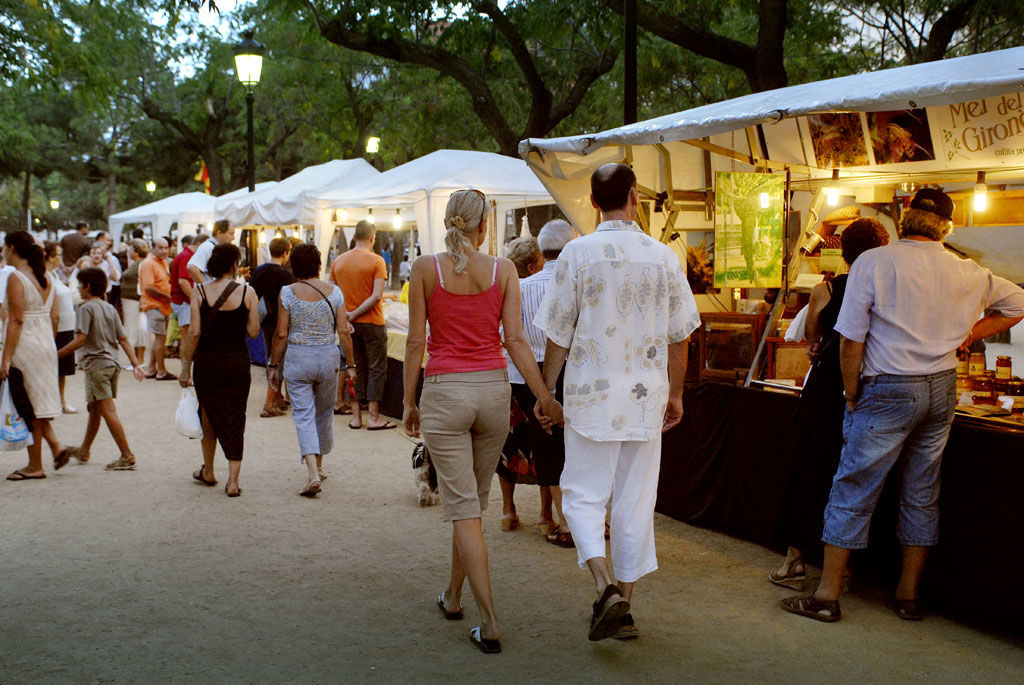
point(862, 235)
point(305, 261)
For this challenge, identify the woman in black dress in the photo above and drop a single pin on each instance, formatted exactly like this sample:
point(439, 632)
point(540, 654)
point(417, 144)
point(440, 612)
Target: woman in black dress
point(223, 313)
point(819, 413)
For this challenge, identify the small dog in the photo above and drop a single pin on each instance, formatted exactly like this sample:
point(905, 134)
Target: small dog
point(425, 477)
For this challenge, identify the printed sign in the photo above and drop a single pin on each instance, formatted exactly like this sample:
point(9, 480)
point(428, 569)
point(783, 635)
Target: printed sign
point(987, 132)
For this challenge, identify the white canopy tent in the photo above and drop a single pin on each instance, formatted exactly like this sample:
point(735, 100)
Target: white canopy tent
point(421, 189)
point(289, 202)
point(973, 109)
point(183, 209)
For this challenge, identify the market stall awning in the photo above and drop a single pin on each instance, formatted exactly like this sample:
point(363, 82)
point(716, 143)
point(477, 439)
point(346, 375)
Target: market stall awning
point(289, 201)
point(424, 185)
point(188, 210)
point(938, 121)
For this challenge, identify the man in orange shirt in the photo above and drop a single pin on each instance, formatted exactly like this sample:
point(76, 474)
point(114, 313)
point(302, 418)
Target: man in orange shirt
point(155, 305)
point(361, 274)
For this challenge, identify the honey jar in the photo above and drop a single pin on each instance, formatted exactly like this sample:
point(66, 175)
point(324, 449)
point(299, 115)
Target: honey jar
point(1004, 368)
point(963, 384)
point(976, 364)
point(1015, 389)
point(981, 390)
point(962, 362)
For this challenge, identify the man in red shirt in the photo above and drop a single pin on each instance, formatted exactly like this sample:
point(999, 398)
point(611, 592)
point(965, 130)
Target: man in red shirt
point(181, 285)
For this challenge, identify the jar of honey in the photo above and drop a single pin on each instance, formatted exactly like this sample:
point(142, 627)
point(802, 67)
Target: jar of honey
point(1015, 389)
point(981, 390)
point(1004, 368)
point(963, 384)
point(962, 362)
point(976, 364)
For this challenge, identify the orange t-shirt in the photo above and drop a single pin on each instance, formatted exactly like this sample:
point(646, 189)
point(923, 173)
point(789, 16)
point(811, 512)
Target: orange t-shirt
point(153, 273)
point(354, 272)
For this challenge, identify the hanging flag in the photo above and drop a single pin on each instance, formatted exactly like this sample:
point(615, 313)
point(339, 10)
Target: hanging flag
point(204, 176)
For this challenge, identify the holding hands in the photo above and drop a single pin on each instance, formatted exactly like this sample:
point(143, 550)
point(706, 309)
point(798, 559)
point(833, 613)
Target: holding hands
point(549, 413)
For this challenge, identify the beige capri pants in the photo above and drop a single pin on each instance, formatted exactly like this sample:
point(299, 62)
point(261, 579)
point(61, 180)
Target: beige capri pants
point(464, 421)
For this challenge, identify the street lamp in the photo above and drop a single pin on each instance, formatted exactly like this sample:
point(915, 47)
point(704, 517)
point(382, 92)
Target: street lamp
point(248, 65)
point(372, 145)
point(54, 204)
point(151, 186)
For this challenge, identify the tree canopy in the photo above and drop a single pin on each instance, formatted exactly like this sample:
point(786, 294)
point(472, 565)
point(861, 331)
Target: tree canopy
point(100, 96)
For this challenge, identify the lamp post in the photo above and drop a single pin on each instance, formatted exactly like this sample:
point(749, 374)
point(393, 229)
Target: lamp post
point(54, 204)
point(248, 65)
point(151, 187)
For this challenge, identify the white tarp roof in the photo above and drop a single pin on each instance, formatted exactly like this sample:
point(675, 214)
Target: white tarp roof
point(973, 108)
point(425, 184)
point(289, 201)
point(182, 209)
point(919, 85)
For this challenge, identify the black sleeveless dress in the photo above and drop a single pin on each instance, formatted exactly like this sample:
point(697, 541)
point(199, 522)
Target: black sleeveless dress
point(819, 440)
point(222, 375)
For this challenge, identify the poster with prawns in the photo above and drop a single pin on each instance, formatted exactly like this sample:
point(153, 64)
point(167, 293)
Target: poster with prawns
point(748, 229)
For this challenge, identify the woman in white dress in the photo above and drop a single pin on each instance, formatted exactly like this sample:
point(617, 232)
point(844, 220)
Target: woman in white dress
point(32, 316)
point(65, 319)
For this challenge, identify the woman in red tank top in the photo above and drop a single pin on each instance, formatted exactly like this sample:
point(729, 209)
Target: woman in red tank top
point(466, 296)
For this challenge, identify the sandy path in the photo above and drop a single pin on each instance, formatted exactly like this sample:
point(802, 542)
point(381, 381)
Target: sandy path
point(148, 576)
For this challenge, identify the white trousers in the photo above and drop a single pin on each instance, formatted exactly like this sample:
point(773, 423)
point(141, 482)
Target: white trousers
point(593, 472)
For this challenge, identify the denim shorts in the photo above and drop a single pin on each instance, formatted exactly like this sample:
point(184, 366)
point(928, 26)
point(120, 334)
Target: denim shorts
point(184, 313)
point(900, 421)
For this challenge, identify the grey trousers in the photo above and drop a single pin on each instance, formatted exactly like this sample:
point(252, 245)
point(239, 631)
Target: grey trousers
point(312, 375)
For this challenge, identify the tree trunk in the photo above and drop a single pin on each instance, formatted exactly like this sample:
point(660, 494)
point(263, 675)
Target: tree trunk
point(111, 193)
point(26, 199)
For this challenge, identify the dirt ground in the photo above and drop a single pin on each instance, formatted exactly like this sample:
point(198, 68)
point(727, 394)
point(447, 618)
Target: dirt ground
point(148, 576)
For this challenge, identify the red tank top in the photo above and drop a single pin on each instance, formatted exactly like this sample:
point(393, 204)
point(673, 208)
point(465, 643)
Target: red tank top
point(464, 329)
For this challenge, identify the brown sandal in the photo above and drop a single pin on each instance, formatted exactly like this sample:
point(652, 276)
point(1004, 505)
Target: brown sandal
point(562, 538)
point(826, 610)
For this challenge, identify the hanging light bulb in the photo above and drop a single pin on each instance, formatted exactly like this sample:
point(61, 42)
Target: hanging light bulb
point(980, 193)
point(832, 191)
point(263, 237)
point(396, 220)
point(765, 200)
point(340, 216)
point(369, 217)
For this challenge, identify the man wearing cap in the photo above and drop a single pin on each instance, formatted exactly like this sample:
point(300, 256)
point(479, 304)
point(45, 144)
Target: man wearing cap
point(908, 307)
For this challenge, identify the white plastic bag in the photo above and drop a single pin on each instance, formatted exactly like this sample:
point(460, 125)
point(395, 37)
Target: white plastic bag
point(186, 418)
point(795, 332)
point(14, 433)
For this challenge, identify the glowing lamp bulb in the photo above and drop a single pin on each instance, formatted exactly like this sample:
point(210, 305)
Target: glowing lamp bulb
point(832, 196)
point(396, 221)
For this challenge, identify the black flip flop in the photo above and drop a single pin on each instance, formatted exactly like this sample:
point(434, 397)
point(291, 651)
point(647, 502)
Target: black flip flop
point(63, 457)
point(236, 493)
point(198, 475)
point(486, 646)
point(450, 615)
point(21, 475)
point(168, 377)
point(387, 425)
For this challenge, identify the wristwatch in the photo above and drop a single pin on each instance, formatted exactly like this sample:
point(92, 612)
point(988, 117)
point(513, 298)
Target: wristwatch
point(273, 366)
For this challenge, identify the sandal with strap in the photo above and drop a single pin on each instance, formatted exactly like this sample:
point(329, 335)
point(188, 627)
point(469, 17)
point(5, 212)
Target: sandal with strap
point(791, 578)
point(559, 536)
point(826, 610)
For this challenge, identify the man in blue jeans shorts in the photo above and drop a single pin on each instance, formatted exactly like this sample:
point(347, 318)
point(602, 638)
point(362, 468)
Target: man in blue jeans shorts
point(908, 307)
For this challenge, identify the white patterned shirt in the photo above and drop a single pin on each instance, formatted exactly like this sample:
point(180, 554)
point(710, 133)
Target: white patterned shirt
point(617, 299)
point(531, 290)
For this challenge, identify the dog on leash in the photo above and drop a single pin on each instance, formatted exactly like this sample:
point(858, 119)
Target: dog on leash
point(425, 477)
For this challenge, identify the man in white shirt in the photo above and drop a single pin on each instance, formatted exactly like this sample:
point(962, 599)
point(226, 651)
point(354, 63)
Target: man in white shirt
point(619, 309)
point(223, 232)
point(908, 307)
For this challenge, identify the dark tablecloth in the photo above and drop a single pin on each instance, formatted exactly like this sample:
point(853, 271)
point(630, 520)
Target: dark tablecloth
point(726, 465)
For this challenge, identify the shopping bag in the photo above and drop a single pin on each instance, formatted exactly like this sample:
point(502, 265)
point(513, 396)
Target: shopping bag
point(186, 418)
point(14, 433)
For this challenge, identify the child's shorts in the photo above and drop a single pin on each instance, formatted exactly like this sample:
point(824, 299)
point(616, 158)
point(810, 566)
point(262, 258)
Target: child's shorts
point(101, 384)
